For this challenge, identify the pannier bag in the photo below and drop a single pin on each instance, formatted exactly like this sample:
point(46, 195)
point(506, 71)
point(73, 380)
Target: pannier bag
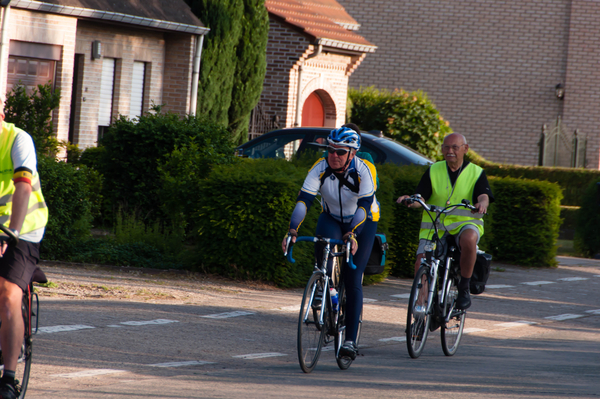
point(376, 262)
point(481, 273)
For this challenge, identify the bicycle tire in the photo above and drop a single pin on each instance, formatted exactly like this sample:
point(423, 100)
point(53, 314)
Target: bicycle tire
point(451, 331)
point(417, 323)
point(311, 333)
point(24, 362)
point(344, 362)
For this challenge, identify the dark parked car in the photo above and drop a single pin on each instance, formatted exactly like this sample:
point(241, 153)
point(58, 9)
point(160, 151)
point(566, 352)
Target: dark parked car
point(284, 143)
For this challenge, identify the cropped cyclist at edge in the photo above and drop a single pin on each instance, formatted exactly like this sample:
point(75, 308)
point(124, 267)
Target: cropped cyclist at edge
point(347, 185)
point(24, 211)
point(449, 182)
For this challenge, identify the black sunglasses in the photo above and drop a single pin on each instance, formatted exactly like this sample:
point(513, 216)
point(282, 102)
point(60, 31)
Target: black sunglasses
point(339, 151)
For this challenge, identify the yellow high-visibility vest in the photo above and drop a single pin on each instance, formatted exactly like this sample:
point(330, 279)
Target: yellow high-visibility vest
point(37, 211)
point(442, 193)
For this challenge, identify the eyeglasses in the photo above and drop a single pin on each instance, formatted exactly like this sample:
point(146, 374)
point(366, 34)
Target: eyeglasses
point(338, 151)
point(454, 147)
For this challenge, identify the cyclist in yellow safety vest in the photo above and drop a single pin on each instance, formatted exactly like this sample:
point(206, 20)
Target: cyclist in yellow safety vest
point(449, 182)
point(23, 210)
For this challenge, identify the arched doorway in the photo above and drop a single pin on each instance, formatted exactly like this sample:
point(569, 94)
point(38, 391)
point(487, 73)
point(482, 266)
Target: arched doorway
point(313, 112)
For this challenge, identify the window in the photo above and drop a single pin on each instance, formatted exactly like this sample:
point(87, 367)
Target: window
point(107, 82)
point(137, 90)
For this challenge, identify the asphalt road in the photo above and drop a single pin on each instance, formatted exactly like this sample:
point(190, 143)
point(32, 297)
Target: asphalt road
point(534, 333)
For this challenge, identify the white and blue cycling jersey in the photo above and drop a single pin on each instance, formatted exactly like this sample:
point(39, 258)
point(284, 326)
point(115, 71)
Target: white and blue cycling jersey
point(348, 197)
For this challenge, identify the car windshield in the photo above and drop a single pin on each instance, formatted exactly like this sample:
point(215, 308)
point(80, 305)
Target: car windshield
point(275, 147)
point(408, 155)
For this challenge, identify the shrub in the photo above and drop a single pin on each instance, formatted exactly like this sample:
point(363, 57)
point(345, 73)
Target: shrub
point(587, 233)
point(410, 118)
point(243, 218)
point(522, 224)
point(32, 113)
point(69, 194)
point(134, 151)
point(181, 173)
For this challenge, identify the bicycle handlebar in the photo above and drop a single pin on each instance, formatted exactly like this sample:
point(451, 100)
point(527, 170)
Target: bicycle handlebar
point(289, 247)
point(11, 236)
point(434, 208)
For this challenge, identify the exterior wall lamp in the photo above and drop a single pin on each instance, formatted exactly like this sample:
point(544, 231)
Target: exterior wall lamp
point(560, 91)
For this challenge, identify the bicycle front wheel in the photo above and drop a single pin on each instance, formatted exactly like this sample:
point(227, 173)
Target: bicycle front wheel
point(311, 333)
point(452, 329)
point(24, 361)
point(418, 318)
point(340, 337)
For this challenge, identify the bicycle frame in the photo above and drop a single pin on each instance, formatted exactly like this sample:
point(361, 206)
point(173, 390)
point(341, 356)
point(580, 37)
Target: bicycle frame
point(323, 269)
point(432, 259)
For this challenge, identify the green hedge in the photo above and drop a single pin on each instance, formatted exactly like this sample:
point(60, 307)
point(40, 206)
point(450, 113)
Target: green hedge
point(573, 181)
point(522, 224)
point(243, 217)
point(587, 233)
point(245, 210)
point(71, 194)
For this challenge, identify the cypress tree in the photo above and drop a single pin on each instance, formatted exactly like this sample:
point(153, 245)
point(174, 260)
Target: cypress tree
point(218, 65)
point(234, 61)
point(251, 68)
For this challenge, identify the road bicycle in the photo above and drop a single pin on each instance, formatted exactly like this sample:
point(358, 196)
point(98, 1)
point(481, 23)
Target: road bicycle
point(321, 320)
point(30, 310)
point(434, 291)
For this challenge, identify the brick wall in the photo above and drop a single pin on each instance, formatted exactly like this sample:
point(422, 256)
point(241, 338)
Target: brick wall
point(327, 74)
point(55, 30)
point(179, 57)
point(126, 46)
point(489, 66)
point(582, 88)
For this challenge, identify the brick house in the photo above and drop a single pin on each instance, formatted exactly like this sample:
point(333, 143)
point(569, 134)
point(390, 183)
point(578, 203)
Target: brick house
point(491, 67)
point(312, 50)
point(108, 58)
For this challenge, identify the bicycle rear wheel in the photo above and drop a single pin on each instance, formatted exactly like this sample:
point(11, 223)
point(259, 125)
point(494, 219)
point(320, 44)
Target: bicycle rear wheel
point(340, 337)
point(452, 330)
point(311, 333)
point(417, 318)
point(24, 361)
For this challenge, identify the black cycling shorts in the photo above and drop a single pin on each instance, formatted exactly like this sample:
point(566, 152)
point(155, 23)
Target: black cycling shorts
point(18, 263)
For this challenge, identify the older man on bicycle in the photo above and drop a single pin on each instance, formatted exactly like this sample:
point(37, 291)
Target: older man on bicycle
point(449, 182)
point(347, 185)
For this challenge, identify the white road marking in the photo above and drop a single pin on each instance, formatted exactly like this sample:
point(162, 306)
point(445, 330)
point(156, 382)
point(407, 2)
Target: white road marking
point(260, 355)
point(495, 286)
point(228, 315)
point(566, 316)
point(595, 311)
point(55, 329)
point(147, 322)
point(519, 323)
point(539, 282)
point(401, 296)
point(397, 339)
point(293, 308)
point(369, 300)
point(89, 373)
point(473, 330)
point(573, 279)
point(114, 326)
point(181, 364)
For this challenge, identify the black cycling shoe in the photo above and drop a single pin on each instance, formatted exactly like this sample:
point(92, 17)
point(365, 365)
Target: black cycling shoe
point(463, 301)
point(349, 349)
point(8, 391)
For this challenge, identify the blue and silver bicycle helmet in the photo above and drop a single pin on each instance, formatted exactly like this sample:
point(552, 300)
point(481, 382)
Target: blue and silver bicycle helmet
point(344, 137)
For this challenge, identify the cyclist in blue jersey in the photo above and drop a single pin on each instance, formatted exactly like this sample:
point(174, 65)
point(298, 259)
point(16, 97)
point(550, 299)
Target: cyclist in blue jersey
point(350, 212)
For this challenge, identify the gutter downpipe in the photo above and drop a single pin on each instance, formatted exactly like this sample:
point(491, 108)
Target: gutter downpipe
point(3, 43)
point(313, 55)
point(196, 74)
